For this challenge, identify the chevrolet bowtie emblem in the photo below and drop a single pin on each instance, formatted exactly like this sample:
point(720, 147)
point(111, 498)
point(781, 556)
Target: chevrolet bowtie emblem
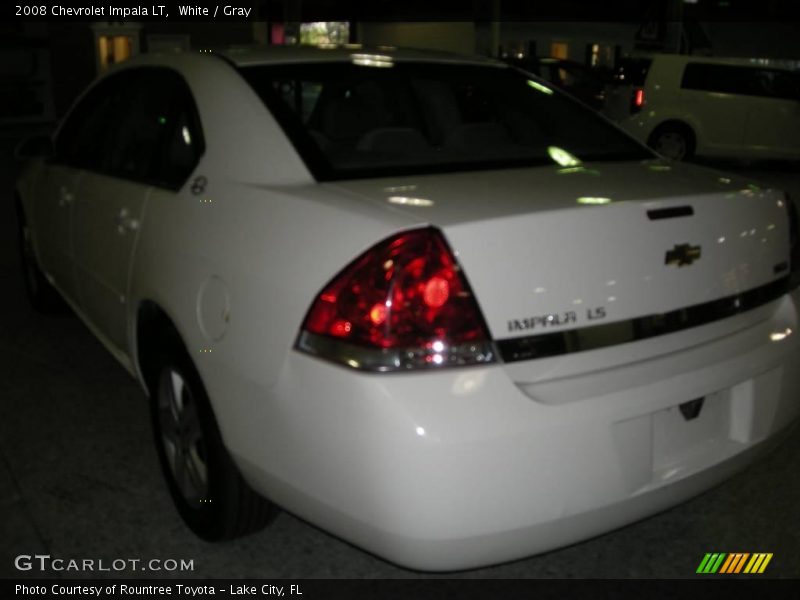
point(682, 254)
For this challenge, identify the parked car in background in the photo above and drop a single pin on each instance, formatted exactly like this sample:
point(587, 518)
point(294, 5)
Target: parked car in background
point(423, 301)
point(587, 84)
point(686, 105)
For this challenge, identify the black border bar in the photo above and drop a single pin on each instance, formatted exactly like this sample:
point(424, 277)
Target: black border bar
point(483, 11)
point(403, 589)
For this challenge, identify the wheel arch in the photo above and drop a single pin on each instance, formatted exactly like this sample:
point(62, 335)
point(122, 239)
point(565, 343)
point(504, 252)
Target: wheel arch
point(155, 333)
point(237, 509)
point(677, 123)
point(685, 127)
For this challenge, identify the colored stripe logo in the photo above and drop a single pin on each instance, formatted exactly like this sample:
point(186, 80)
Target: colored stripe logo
point(734, 563)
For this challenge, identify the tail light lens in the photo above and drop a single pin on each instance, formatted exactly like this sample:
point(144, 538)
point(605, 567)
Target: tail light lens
point(403, 304)
point(637, 100)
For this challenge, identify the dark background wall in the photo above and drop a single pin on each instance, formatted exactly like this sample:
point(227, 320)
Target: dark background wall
point(755, 39)
point(73, 61)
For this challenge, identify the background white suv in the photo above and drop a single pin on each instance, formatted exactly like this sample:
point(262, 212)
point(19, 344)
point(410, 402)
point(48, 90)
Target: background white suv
point(685, 105)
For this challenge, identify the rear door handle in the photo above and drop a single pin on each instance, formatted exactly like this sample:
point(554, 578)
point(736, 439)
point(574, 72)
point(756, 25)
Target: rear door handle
point(126, 222)
point(65, 197)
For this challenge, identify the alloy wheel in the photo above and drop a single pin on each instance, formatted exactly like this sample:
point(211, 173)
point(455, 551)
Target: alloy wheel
point(671, 144)
point(182, 437)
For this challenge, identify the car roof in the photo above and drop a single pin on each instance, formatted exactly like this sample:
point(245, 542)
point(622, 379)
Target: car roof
point(246, 56)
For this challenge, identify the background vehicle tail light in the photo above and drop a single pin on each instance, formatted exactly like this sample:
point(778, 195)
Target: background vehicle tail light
point(637, 100)
point(403, 304)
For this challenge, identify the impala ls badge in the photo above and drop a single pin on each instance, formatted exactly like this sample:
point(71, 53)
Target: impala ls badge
point(682, 254)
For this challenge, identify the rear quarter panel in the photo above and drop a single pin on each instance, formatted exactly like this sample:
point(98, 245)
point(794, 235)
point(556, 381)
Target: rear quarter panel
point(261, 234)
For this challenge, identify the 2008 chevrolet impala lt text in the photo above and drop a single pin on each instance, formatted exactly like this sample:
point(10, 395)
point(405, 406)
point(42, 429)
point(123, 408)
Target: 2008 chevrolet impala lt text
point(426, 302)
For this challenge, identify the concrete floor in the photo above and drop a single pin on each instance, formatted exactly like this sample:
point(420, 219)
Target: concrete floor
point(79, 476)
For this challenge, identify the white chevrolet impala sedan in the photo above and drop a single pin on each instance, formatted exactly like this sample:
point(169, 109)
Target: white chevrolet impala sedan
point(425, 302)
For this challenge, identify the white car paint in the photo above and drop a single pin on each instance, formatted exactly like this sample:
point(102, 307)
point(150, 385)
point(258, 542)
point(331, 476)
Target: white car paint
point(456, 467)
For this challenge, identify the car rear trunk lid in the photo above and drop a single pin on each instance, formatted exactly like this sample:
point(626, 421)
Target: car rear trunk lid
point(650, 247)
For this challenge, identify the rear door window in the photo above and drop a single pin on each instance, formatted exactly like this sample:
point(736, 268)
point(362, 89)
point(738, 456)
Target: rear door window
point(773, 83)
point(748, 81)
point(159, 140)
point(141, 124)
point(718, 78)
point(141, 128)
point(86, 138)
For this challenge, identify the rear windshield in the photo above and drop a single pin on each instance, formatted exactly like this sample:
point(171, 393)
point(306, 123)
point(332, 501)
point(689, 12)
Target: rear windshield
point(352, 121)
point(632, 71)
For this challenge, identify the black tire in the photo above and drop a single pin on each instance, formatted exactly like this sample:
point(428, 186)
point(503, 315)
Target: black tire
point(42, 296)
point(225, 507)
point(673, 140)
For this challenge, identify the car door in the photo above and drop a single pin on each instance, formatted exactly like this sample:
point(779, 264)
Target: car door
point(715, 96)
point(773, 118)
point(52, 218)
point(110, 206)
point(79, 144)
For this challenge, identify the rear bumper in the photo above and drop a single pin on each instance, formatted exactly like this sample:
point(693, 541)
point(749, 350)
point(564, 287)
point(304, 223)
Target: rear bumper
point(467, 467)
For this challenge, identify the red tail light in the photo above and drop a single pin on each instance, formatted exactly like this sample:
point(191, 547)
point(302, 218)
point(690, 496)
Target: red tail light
point(403, 304)
point(637, 102)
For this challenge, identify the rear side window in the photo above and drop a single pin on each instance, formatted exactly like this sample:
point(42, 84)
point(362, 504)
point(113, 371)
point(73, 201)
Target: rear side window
point(748, 81)
point(718, 78)
point(85, 139)
point(773, 83)
point(140, 124)
point(182, 148)
point(140, 128)
point(160, 140)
